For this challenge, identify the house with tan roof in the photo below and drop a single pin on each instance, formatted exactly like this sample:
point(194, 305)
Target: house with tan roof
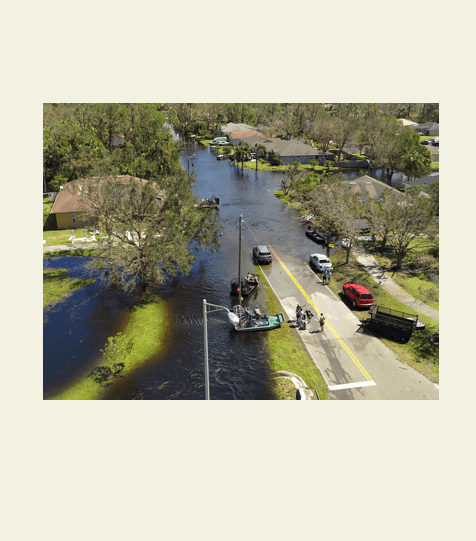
point(72, 210)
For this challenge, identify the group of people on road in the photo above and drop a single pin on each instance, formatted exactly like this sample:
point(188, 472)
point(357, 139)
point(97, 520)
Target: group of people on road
point(306, 315)
point(326, 276)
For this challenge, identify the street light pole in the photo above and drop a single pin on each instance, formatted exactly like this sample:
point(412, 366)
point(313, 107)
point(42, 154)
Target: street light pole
point(233, 318)
point(205, 338)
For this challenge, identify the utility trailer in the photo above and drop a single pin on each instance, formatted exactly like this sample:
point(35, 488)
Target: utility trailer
point(392, 323)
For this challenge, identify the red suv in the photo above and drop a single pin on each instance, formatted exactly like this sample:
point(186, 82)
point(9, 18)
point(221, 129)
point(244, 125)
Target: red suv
point(359, 295)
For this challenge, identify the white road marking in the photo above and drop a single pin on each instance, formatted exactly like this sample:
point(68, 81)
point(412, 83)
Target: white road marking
point(351, 385)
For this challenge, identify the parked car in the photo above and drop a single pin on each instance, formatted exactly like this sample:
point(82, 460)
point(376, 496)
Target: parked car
point(321, 262)
point(358, 295)
point(223, 143)
point(261, 254)
point(427, 142)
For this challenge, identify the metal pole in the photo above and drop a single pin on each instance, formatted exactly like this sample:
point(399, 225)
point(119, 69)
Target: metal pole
point(239, 265)
point(205, 337)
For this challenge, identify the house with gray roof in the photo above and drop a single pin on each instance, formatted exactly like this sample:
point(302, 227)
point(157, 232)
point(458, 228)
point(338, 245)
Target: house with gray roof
point(428, 128)
point(424, 181)
point(368, 188)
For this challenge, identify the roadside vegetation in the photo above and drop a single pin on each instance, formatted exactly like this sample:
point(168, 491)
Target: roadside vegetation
point(287, 351)
point(147, 328)
point(56, 285)
point(417, 352)
point(413, 277)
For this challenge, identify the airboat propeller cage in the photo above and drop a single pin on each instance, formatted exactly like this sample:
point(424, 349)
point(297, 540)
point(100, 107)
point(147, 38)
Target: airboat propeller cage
point(234, 319)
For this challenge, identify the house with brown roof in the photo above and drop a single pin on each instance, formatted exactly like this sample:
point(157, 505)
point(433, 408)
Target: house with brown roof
point(72, 210)
point(236, 137)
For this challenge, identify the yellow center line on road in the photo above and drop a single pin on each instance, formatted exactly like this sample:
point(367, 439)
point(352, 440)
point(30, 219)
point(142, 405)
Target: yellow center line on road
point(331, 328)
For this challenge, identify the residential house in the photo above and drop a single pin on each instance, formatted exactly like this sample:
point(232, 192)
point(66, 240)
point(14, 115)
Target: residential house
point(368, 188)
point(406, 122)
point(71, 209)
point(428, 128)
point(231, 127)
point(424, 181)
point(236, 137)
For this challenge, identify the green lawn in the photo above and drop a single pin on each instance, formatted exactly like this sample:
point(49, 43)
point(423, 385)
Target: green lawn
point(266, 166)
point(286, 349)
point(56, 285)
point(61, 237)
point(417, 352)
point(147, 326)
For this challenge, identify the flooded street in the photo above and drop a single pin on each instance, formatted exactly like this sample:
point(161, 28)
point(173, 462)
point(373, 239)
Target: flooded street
point(78, 326)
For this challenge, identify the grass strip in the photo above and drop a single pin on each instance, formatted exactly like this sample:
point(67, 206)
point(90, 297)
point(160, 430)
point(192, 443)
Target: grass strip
point(417, 352)
point(56, 285)
point(287, 351)
point(147, 326)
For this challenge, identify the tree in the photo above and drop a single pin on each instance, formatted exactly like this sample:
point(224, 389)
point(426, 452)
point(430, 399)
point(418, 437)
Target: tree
point(322, 130)
point(152, 228)
point(380, 214)
point(114, 353)
point(336, 209)
point(408, 221)
point(260, 150)
point(275, 158)
point(416, 160)
point(290, 177)
point(388, 153)
point(434, 193)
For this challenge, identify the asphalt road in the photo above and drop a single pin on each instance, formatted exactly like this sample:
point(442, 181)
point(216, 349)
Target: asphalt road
point(355, 366)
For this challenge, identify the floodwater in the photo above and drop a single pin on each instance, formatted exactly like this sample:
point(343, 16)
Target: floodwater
point(77, 327)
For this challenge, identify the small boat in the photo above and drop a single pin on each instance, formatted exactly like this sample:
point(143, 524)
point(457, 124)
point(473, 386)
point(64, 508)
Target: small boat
point(252, 321)
point(316, 236)
point(248, 285)
point(209, 202)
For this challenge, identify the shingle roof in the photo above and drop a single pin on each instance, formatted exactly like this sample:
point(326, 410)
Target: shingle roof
point(293, 148)
point(368, 187)
point(231, 127)
point(68, 200)
point(426, 126)
point(244, 134)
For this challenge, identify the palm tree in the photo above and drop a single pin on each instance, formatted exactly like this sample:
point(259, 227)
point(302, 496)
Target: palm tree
point(243, 150)
point(260, 150)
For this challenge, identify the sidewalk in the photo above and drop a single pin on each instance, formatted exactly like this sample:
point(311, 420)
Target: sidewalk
point(378, 274)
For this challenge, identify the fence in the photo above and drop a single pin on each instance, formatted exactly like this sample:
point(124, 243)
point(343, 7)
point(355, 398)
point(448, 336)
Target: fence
point(51, 195)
